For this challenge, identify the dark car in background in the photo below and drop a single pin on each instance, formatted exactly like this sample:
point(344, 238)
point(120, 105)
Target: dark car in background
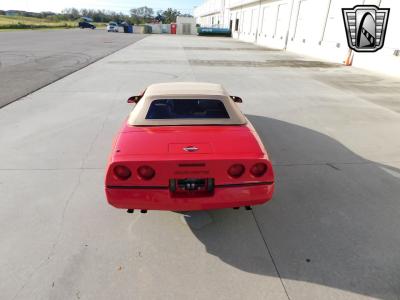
point(85, 24)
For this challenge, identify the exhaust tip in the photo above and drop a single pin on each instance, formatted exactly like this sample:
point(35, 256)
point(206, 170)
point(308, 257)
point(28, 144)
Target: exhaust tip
point(130, 211)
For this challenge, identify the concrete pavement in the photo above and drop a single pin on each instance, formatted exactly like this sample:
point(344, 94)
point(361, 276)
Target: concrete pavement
point(331, 232)
point(31, 59)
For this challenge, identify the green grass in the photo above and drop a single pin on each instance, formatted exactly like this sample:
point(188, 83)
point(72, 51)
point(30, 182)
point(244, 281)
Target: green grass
point(19, 22)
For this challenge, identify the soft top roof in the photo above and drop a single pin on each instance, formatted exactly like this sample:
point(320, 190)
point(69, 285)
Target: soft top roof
point(185, 90)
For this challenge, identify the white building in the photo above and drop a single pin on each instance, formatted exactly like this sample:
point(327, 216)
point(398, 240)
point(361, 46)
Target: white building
point(311, 27)
point(186, 25)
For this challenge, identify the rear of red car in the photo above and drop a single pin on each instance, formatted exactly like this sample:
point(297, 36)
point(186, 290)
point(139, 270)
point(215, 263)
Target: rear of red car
point(188, 168)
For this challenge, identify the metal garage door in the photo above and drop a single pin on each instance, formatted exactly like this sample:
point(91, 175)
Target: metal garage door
point(304, 20)
point(334, 30)
point(186, 28)
point(282, 22)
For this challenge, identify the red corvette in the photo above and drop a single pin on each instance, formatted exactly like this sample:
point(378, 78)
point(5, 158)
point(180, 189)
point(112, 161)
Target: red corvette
point(187, 146)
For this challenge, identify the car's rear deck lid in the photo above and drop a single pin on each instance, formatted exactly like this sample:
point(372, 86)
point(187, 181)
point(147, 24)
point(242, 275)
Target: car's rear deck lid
point(187, 140)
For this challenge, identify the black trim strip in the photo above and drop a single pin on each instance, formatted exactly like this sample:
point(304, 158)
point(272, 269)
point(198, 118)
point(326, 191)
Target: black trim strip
point(244, 184)
point(192, 165)
point(118, 187)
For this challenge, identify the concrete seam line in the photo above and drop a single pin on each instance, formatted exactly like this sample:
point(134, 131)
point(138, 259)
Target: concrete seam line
point(101, 128)
point(188, 61)
point(270, 254)
point(83, 67)
point(52, 251)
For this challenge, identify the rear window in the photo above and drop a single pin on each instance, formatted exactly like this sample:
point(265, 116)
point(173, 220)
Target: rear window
point(187, 109)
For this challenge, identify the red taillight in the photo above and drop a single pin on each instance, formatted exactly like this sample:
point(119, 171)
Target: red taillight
point(146, 172)
point(258, 169)
point(122, 172)
point(236, 170)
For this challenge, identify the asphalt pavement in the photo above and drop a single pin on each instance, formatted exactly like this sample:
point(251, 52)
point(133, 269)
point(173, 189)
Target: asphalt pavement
point(31, 59)
point(330, 232)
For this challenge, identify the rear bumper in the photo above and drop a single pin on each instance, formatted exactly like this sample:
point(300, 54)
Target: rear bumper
point(161, 199)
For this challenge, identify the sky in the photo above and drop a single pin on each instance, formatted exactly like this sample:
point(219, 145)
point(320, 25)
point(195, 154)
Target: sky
point(185, 6)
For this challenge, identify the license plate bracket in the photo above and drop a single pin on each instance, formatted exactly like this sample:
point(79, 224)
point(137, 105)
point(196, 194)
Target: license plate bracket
point(192, 186)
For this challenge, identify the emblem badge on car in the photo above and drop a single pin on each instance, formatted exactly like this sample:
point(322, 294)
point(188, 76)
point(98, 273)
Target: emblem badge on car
point(365, 27)
point(191, 149)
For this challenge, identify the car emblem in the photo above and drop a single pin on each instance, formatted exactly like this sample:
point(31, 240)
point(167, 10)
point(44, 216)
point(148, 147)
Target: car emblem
point(191, 149)
point(365, 27)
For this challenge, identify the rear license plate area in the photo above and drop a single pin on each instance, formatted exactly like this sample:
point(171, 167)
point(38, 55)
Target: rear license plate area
point(192, 186)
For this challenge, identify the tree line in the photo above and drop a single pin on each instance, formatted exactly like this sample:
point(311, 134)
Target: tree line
point(138, 15)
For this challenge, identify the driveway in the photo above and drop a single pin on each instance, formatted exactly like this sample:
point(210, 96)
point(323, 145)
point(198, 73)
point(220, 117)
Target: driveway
point(331, 231)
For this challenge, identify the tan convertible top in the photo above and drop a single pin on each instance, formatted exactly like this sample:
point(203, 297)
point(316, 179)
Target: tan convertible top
point(185, 90)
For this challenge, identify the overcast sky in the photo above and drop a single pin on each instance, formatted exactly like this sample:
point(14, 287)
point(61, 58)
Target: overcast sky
point(186, 6)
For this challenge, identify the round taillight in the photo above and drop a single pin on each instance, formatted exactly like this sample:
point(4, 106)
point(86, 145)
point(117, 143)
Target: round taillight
point(122, 172)
point(146, 172)
point(258, 169)
point(236, 170)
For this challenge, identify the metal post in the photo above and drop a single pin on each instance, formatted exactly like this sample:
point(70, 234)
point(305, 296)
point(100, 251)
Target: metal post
point(326, 22)
point(223, 13)
point(258, 21)
point(290, 22)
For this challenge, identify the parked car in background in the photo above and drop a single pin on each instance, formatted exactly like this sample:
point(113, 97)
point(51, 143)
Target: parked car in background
point(85, 24)
point(112, 27)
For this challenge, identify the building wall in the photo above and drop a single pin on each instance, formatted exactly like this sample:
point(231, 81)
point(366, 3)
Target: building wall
point(210, 13)
point(185, 21)
point(309, 27)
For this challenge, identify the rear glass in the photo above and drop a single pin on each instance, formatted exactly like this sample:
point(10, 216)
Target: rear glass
point(187, 109)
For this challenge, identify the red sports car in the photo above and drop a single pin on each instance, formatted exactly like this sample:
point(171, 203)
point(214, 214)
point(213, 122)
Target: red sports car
point(187, 146)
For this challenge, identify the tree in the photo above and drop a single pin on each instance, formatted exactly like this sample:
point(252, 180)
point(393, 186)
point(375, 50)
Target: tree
point(46, 14)
point(71, 13)
point(141, 14)
point(170, 15)
point(159, 17)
